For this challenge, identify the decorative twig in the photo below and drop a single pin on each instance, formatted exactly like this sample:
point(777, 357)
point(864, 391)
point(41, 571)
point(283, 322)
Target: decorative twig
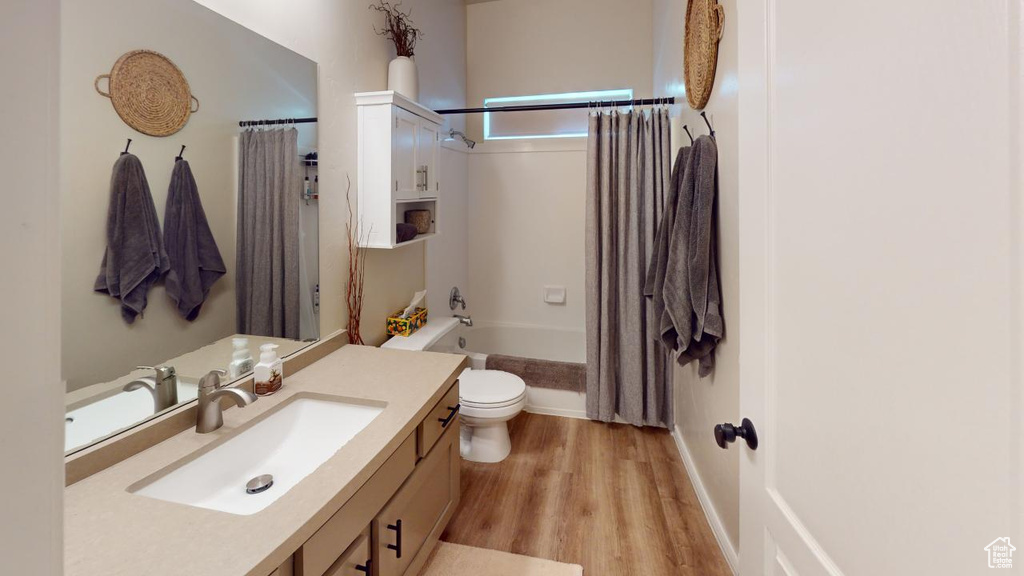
point(356, 268)
point(398, 27)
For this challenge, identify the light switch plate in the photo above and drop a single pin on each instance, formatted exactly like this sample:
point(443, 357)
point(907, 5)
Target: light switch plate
point(554, 294)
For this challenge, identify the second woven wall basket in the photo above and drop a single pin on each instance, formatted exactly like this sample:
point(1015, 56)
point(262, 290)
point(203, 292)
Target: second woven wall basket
point(149, 93)
point(705, 22)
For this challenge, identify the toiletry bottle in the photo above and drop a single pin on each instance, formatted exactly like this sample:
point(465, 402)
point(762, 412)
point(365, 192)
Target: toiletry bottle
point(268, 374)
point(241, 358)
point(316, 187)
point(307, 189)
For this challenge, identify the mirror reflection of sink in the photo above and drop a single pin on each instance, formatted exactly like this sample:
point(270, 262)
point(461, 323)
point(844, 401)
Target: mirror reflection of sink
point(288, 443)
point(116, 412)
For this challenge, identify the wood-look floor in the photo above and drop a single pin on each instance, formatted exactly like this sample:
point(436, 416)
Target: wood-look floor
point(612, 498)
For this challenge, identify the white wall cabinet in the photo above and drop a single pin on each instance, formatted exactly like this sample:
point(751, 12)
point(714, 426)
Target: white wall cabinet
point(399, 161)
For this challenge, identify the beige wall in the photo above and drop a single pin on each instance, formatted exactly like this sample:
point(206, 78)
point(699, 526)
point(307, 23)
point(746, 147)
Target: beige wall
point(526, 198)
point(338, 34)
point(520, 47)
point(236, 74)
point(31, 429)
point(700, 403)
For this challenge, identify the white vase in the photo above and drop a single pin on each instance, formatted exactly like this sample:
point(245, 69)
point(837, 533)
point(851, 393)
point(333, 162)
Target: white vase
point(402, 77)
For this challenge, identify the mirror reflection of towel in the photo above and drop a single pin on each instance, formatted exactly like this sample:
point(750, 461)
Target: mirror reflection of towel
point(195, 260)
point(135, 258)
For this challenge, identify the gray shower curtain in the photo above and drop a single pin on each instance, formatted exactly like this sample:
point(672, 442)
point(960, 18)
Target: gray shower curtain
point(628, 170)
point(269, 188)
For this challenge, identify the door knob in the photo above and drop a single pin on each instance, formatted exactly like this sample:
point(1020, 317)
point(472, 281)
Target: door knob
point(726, 434)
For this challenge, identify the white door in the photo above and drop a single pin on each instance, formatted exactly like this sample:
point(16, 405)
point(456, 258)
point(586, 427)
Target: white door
point(881, 275)
point(427, 151)
point(403, 150)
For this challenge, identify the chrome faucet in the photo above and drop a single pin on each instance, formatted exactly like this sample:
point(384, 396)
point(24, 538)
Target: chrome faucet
point(210, 417)
point(465, 320)
point(163, 387)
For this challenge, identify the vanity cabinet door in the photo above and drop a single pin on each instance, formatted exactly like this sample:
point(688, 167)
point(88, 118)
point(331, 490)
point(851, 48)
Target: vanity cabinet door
point(419, 511)
point(321, 551)
point(356, 560)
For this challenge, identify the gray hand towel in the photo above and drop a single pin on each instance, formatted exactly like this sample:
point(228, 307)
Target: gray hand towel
point(195, 260)
point(683, 270)
point(135, 258)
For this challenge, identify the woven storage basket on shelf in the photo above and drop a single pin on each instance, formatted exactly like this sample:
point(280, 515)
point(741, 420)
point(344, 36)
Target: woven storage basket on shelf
point(421, 219)
point(149, 93)
point(705, 21)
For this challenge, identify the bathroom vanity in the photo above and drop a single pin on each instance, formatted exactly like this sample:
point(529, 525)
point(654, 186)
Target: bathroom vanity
point(374, 506)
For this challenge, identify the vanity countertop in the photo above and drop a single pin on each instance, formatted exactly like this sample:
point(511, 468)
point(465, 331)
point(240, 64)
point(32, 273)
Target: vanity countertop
point(109, 531)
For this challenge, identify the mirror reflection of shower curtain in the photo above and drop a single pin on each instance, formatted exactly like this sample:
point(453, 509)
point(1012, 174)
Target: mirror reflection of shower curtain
point(268, 254)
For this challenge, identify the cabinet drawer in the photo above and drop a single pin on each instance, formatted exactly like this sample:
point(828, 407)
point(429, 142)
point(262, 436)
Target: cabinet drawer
point(412, 517)
point(356, 560)
point(445, 415)
point(327, 544)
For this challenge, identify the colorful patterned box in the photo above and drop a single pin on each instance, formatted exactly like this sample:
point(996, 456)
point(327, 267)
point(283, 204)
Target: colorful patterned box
point(406, 326)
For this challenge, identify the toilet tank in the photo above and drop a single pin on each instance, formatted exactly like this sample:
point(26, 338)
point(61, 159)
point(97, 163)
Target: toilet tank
point(439, 335)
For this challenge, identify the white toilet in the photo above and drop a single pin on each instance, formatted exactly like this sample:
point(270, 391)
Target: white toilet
point(489, 398)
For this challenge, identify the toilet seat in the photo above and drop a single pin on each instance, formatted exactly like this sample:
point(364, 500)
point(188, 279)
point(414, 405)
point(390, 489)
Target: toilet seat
point(487, 389)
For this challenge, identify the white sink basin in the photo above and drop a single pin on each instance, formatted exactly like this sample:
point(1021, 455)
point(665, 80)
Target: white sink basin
point(289, 444)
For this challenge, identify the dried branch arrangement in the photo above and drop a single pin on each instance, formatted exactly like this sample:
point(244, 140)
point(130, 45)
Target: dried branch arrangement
point(398, 27)
point(356, 269)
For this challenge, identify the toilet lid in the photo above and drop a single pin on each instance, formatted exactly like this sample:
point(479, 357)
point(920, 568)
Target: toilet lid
point(489, 387)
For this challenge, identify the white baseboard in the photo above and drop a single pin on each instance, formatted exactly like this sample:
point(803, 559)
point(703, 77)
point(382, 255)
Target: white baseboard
point(728, 549)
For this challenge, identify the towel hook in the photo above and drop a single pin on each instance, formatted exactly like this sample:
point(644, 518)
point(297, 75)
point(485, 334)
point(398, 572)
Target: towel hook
point(126, 147)
point(180, 154)
point(687, 129)
point(704, 115)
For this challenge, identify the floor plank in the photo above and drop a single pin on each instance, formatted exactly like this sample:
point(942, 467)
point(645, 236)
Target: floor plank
point(611, 497)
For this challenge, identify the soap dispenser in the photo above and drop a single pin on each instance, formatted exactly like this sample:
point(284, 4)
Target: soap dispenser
point(241, 358)
point(268, 374)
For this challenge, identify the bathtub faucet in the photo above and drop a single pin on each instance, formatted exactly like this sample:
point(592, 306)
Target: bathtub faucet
point(455, 298)
point(465, 320)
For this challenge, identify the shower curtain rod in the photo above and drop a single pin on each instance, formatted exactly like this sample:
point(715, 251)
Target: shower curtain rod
point(245, 123)
point(563, 106)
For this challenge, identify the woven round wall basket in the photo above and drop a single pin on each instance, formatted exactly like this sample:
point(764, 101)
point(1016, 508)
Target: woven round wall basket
point(149, 93)
point(705, 22)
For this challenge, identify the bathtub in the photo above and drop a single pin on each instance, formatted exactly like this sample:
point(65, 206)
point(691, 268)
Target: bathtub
point(542, 343)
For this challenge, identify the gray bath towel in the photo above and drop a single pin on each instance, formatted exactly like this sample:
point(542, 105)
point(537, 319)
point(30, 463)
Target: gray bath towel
point(655, 282)
point(135, 258)
point(195, 260)
point(684, 271)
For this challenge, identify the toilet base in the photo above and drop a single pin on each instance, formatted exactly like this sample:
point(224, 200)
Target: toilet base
point(487, 443)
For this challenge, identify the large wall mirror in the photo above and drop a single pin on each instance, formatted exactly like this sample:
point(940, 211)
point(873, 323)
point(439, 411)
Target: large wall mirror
point(241, 242)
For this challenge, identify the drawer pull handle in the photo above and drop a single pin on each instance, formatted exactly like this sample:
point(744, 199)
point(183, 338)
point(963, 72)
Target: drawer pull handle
point(446, 421)
point(365, 568)
point(397, 546)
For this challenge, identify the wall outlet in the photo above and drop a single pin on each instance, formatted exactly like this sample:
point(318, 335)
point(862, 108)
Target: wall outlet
point(554, 294)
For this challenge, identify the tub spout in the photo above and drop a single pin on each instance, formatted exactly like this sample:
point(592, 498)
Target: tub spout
point(464, 320)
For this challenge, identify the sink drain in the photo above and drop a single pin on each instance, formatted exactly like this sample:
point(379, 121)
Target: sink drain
point(261, 483)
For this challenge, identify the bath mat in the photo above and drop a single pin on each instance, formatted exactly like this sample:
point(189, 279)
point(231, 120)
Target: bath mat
point(457, 560)
point(570, 376)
